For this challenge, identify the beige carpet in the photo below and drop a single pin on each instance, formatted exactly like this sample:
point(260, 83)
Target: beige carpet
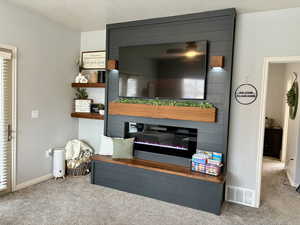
point(75, 202)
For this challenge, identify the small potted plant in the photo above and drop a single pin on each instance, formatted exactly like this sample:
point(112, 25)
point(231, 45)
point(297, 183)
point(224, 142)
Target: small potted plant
point(82, 103)
point(101, 109)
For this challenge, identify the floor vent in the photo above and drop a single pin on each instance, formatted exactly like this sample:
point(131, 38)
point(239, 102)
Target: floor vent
point(239, 195)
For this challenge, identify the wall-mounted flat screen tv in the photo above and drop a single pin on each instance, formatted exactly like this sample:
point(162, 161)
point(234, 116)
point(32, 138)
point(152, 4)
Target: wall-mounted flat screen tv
point(172, 71)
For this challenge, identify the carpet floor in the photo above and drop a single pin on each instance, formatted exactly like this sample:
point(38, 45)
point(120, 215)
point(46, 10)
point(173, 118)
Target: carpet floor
point(74, 202)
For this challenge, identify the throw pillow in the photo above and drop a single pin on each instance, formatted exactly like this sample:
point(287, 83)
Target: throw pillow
point(123, 148)
point(106, 145)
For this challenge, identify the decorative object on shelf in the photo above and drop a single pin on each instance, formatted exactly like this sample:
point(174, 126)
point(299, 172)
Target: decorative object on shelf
point(186, 110)
point(292, 98)
point(207, 162)
point(79, 64)
point(112, 64)
point(81, 93)
point(216, 62)
point(82, 104)
point(101, 109)
point(95, 108)
point(93, 60)
point(81, 79)
point(93, 77)
point(245, 94)
point(101, 76)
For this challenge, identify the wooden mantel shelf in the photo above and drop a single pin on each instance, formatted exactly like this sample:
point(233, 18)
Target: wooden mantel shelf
point(161, 167)
point(164, 112)
point(94, 116)
point(89, 85)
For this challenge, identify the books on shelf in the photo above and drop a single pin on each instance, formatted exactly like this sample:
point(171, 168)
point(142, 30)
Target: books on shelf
point(207, 162)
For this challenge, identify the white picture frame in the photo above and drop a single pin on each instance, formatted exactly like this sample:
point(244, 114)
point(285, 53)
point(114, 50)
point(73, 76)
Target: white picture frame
point(93, 60)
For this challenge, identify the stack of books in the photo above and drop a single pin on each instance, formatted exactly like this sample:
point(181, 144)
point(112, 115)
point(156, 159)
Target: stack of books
point(207, 162)
point(83, 105)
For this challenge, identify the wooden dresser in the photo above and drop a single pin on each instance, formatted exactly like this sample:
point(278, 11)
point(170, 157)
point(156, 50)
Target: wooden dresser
point(273, 142)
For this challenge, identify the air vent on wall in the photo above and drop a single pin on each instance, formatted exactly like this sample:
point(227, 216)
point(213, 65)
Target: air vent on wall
point(239, 195)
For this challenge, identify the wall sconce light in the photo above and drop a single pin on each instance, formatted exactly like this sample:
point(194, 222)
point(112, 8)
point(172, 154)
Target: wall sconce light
point(112, 64)
point(216, 62)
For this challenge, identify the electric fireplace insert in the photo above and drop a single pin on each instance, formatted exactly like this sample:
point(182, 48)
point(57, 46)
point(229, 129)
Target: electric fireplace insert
point(170, 140)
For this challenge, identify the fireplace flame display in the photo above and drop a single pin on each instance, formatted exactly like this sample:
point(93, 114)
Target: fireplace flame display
point(170, 140)
point(161, 145)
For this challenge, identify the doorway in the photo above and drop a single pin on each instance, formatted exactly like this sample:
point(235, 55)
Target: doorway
point(278, 134)
point(7, 118)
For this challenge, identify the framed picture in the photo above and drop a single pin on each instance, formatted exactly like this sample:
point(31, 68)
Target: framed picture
point(93, 60)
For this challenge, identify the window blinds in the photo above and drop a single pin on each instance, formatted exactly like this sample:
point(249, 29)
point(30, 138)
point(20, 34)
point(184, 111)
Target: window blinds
point(4, 121)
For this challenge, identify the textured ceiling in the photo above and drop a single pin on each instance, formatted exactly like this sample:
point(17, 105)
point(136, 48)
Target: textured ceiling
point(86, 15)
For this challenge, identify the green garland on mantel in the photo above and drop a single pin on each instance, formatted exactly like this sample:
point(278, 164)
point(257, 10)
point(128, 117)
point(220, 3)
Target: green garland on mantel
point(165, 102)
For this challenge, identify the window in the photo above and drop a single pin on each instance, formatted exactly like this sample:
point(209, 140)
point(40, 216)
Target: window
point(5, 111)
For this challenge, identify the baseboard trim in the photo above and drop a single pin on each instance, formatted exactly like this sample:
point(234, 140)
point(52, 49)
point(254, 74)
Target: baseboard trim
point(290, 179)
point(33, 181)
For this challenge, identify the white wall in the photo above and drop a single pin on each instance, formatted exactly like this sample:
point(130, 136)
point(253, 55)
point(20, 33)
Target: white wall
point(90, 130)
point(276, 94)
point(46, 66)
point(93, 40)
point(293, 148)
point(258, 35)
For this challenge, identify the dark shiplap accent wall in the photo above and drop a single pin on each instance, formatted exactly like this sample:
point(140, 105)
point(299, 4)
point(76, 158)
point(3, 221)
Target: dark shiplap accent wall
point(217, 27)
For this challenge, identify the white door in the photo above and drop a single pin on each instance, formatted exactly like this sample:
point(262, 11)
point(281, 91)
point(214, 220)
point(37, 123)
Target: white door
point(5, 120)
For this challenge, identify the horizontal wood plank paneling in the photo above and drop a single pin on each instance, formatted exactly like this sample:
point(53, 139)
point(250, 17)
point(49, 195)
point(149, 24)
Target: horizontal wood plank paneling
point(218, 29)
point(182, 190)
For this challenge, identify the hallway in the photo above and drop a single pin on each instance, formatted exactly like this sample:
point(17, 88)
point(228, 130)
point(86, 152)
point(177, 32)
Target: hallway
point(277, 194)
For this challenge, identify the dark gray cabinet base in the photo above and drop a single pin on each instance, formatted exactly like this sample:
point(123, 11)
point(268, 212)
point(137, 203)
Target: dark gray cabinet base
point(194, 193)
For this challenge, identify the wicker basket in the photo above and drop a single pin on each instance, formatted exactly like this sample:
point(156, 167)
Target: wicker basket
point(82, 170)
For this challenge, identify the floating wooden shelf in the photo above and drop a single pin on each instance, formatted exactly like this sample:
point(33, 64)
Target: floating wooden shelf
point(163, 112)
point(89, 85)
point(94, 116)
point(161, 167)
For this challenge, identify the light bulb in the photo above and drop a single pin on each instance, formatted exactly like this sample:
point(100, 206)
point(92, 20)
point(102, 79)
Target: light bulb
point(191, 54)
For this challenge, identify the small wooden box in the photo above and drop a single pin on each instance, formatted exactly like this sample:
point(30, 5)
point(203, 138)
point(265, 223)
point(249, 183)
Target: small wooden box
point(112, 64)
point(216, 61)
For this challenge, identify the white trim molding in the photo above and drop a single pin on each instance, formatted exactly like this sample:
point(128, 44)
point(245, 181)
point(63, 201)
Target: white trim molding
point(14, 114)
point(33, 182)
point(262, 110)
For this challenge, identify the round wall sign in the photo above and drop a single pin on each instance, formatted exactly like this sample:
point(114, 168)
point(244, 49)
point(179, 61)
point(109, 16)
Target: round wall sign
point(245, 94)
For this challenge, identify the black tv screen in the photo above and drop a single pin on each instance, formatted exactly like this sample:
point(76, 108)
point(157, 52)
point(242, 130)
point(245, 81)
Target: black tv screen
point(173, 71)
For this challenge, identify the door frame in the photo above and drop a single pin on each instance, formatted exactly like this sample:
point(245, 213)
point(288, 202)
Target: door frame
point(14, 124)
point(262, 110)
